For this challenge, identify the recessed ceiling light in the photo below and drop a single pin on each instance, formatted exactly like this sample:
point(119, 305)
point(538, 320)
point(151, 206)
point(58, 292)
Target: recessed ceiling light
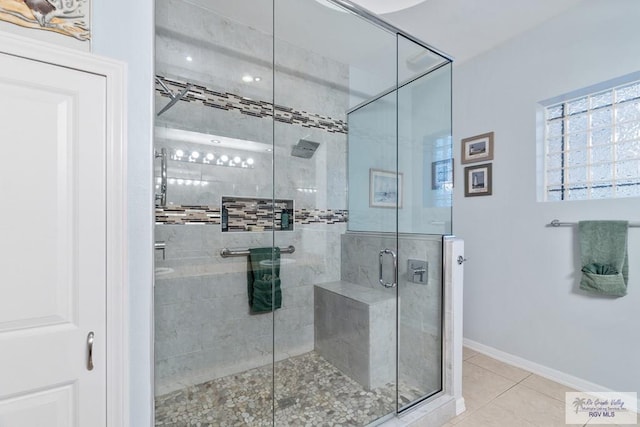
point(224, 158)
point(210, 156)
point(269, 150)
point(257, 79)
point(249, 161)
point(179, 153)
point(237, 159)
point(189, 59)
point(195, 154)
point(247, 78)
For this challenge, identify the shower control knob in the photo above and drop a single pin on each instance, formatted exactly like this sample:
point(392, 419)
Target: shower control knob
point(461, 259)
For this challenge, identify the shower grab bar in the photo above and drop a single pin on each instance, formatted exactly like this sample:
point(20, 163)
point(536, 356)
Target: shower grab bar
point(557, 223)
point(162, 196)
point(226, 252)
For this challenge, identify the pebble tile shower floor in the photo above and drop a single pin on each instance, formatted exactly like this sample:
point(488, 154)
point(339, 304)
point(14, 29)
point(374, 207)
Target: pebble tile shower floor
point(309, 392)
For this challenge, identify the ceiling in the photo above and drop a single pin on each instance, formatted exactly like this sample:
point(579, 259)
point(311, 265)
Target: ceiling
point(460, 28)
point(466, 28)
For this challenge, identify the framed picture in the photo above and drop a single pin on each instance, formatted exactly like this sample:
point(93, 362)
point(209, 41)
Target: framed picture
point(477, 148)
point(477, 180)
point(63, 22)
point(442, 174)
point(385, 189)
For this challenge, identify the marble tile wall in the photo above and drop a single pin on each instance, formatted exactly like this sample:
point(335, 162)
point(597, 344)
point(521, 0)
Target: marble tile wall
point(420, 305)
point(316, 183)
point(202, 322)
point(311, 98)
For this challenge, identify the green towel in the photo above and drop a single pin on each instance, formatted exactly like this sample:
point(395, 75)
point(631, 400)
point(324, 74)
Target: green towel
point(603, 253)
point(263, 281)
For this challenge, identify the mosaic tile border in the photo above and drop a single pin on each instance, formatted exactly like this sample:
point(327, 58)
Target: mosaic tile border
point(262, 109)
point(241, 218)
point(186, 214)
point(321, 216)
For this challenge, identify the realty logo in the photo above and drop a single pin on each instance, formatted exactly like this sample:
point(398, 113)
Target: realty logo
point(606, 408)
point(579, 403)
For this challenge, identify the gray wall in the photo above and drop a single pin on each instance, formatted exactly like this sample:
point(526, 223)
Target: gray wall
point(124, 30)
point(521, 280)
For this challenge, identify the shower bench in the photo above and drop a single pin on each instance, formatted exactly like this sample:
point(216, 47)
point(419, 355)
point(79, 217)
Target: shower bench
point(355, 331)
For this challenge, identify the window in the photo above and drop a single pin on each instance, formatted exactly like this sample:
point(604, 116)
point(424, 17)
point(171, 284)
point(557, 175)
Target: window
point(592, 145)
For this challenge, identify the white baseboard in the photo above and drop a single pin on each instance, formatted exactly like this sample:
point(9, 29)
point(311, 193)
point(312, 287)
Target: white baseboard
point(560, 377)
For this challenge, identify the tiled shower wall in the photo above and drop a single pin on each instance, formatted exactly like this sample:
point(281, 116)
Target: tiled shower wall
point(203, 326)
point(420, 304)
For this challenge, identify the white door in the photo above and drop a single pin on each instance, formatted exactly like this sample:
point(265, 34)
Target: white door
point(52, 245)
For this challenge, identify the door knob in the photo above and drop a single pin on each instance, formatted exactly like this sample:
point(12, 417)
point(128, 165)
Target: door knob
point(461, 259)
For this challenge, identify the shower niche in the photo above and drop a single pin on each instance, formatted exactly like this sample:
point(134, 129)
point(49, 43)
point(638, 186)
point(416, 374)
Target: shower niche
point(270, 146)
point(254, 214)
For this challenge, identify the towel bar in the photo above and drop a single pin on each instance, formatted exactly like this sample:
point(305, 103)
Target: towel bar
point(226, 252)
point(557, 223)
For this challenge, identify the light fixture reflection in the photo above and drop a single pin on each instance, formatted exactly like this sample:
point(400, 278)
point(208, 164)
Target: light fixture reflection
point(210, 158)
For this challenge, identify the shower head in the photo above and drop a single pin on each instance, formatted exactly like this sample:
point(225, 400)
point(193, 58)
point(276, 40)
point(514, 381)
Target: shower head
point(305, 149)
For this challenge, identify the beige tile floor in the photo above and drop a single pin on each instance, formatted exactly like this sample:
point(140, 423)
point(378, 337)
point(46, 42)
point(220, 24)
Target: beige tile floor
point(501, 395)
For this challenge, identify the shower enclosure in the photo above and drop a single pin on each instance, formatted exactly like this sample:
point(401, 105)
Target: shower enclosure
point(304, 181)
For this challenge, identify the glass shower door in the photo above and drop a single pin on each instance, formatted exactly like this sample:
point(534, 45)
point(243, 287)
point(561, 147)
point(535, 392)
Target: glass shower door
point(424, 153)
point(335, 334)
point(213, 343)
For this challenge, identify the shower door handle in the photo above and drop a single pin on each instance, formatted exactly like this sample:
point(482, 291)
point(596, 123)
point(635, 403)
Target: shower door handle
point(162, 196)
point(90, 339)
point(395, 268)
